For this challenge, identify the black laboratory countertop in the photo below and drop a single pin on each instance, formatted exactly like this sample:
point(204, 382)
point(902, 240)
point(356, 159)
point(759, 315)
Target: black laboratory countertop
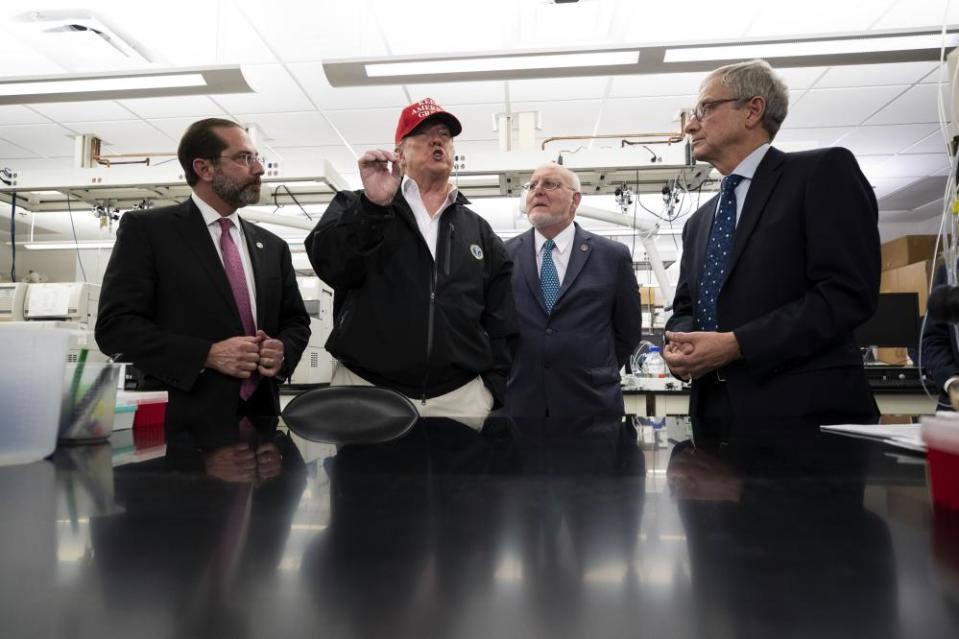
point(597, 528)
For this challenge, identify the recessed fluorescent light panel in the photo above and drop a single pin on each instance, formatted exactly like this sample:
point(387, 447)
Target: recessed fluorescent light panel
point(842, 46)
point(59, 246)
point(514, 65)
point(503, 63)
point(123, 85)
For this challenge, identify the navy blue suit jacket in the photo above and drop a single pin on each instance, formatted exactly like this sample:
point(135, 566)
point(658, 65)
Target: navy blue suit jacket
point(567, 363)
point(804, 274)
point(940, 352)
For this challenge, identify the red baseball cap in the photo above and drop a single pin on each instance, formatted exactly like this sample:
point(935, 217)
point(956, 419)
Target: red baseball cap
point(426, 110)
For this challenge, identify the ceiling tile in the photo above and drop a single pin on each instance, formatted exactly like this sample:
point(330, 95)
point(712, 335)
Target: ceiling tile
point(198, 106)
point(637, 115)
point(66, 112)
point(864, 75)
point(173, 127)
point(808, 17)
point(886, 186)
point(919, 193)
point(643, 86)
point(664, 22)
point(932, 143)
point(314, 31)
point(275, 91)
point(840, 107)
point(798, 78)
point(307, 128)
point(42, 139)
point(557, 89)
point(311, 76)
point(457, 93)
point(910, 166)
point(368, 126)
point(129, 136)
point(18, 114)
point(910, 14)
point(799, 139)
point(884, 140)
point(918, 104)
point(8, 150)
point(870, 164)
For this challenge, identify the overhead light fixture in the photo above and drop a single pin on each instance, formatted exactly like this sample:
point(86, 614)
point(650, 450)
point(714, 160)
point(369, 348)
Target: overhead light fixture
point(837, 46)
point(503, 63)
point(123, 85)
point(833, 50)
point(513, 65)
point(72, 246)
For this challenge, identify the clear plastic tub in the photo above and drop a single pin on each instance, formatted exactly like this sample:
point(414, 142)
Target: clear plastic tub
point(31, 389)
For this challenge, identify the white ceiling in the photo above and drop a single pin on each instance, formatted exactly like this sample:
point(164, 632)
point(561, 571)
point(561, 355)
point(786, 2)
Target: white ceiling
point(887, 114)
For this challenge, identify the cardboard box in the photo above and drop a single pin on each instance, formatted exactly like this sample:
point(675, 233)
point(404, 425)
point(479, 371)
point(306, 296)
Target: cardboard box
point(913, 278)
point(893, 356)
point(908, 249)
point(650, 295)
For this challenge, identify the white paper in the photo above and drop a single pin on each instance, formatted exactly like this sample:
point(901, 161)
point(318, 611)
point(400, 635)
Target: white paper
point(50, 300)
point(899, 435)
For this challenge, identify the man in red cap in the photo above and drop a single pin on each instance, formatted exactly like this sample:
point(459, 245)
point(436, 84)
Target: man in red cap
point(423, 302)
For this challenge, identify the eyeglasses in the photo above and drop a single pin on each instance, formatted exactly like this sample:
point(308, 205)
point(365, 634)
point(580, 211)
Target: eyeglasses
point(243, 159)
point(547, 185)
point(702, 110)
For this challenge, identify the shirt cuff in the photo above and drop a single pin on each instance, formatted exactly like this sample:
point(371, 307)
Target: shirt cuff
point(949, 382)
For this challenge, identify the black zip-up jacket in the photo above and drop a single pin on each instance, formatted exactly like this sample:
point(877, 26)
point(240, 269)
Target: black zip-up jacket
point(403, 320)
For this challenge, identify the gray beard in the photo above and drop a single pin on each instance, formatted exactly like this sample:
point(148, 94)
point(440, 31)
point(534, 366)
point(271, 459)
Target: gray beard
point(233, 194)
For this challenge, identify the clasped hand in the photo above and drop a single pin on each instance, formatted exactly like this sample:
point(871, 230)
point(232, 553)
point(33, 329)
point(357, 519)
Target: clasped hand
point(243, 355)
point(692, 355)
point(238, 463)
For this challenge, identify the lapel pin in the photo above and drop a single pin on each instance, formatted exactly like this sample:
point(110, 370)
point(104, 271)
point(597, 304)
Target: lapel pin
point(259, 245)
point(583, 247)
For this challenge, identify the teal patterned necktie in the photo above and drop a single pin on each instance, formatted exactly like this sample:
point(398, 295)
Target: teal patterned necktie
point(548, 279)
point(718, 253)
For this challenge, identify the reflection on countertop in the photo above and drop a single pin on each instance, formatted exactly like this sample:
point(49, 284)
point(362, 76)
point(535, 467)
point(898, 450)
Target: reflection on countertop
point(559, 528)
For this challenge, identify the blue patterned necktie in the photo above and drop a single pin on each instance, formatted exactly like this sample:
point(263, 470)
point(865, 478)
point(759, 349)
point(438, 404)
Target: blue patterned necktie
point(718, 253)
point(548, 279)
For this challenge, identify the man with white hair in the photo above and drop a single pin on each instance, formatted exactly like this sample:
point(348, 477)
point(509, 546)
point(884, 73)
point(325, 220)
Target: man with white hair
point(778, 270)
point(578, 307)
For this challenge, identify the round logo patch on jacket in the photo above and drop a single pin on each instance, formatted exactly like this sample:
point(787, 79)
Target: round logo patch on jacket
point(476, 251)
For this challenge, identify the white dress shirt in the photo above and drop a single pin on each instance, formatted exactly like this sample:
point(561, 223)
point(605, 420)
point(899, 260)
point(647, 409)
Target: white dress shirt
point(747, 169)
point(564, 242)
point(428, 224)
point(212, 220)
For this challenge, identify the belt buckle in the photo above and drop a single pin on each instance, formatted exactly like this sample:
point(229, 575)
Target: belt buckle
point(719, 375)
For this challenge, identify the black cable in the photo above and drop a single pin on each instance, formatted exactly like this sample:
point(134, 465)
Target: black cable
point(13, 238)
point(76, 242)
point(292, 197)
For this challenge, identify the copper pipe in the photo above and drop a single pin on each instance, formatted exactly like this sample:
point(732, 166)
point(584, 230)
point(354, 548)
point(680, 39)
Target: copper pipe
point(138, 155)
point(668, 138)
point(105, 161)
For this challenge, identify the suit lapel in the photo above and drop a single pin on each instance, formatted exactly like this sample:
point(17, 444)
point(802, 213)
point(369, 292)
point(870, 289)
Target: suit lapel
point(579, 253)
point(763, 183)
point(196, 236)
point(527, 264)
point(255, 248)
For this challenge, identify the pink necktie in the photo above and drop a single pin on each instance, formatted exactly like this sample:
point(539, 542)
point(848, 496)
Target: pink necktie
point(234, 273)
